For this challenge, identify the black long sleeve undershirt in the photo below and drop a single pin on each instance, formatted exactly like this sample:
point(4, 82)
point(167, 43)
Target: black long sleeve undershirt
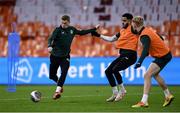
point(84, 32)
point(118, 35)
point(145, 40)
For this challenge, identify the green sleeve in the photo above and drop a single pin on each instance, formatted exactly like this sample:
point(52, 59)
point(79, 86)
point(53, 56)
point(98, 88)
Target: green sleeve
point(52, 37)
point(84, 32)
point(145, 40)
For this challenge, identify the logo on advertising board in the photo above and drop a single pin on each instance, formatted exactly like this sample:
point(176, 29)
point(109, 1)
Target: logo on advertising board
point(25, 71)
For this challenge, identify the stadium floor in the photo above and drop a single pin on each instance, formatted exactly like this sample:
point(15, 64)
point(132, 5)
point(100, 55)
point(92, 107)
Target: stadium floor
point(84, 99)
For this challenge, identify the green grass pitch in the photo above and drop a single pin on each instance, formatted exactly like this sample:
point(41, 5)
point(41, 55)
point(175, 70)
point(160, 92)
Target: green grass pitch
point(84, 99)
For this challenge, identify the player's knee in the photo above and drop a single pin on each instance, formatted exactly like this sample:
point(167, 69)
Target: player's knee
point(115, 70)
point(147, 75)
point(108, 71)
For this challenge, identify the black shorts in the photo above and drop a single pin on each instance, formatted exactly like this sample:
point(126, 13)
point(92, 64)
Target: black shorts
point(162, 61)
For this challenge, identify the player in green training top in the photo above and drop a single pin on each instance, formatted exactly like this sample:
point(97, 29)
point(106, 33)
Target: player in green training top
point(59, 44)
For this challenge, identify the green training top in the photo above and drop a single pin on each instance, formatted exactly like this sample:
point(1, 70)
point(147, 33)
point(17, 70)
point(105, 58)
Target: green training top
point(61, 40)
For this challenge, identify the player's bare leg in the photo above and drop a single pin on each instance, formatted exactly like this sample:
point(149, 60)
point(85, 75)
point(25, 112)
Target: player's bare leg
point(168, 96)
point(152, 70)
point(160, 81)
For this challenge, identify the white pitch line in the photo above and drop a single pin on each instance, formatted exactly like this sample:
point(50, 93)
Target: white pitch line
point(78, 96)
point(51, 97)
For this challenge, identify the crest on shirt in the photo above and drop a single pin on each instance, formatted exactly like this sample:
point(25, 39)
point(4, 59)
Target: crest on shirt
point(71, 31)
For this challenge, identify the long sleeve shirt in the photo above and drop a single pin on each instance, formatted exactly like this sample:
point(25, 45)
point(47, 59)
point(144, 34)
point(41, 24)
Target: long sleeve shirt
point(61, 40)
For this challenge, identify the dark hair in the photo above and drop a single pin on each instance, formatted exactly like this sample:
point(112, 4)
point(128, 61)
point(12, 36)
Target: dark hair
point(128, 16)
point(65, 17)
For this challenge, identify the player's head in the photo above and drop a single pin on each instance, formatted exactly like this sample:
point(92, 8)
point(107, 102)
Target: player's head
point(65, 21)
point(126, 19)
point(137, 23)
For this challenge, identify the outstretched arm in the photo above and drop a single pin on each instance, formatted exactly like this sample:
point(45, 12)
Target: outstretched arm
point(110, 38)
point(145, 40)
point(107, 38)
point(52, 37)
point(84, 32)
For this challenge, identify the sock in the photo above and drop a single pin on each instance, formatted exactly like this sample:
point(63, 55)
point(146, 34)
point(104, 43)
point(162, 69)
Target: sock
point(166, 92)
point(144, 98)
point(115, 90)
point(58, 89)
point(121, 86)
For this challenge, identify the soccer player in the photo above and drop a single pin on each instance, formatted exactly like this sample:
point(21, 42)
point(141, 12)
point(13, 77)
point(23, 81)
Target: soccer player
point(152, 44)
point(126, 42)
point(59, 44)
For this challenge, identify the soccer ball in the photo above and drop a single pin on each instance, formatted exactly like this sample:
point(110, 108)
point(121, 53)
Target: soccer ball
point(35, 96)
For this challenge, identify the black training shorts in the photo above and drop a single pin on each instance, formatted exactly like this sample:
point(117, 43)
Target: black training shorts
point(162, 61)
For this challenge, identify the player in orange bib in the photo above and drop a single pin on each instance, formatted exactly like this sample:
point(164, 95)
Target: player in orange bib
point(126, 42)
point(153, 45)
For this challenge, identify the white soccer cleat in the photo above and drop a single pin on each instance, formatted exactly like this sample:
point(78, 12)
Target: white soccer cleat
point(120, 95)
point(112, 98)
point(57, 94)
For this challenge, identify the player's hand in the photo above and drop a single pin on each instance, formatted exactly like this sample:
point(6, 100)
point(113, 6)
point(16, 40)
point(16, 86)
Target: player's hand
point(94, 33)
point(137, 65)
point(97, 26)
point(50, 49)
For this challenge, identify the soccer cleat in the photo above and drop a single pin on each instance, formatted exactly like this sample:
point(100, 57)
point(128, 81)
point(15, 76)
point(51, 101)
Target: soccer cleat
point(140, 104)
point(62, 90)
point(168, 100)
point(120, 95)
point(112, 98)
point(57, 95)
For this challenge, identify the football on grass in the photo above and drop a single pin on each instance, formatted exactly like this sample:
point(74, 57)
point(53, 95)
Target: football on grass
point(35, 96)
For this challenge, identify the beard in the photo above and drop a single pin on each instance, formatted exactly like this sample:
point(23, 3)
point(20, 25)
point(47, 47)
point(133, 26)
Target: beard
point(125, 25)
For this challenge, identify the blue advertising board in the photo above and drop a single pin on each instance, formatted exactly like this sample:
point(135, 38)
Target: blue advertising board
point(85, 71)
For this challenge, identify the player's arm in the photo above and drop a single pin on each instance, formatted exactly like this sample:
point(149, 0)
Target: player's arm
point(106, 38)
point(110, 38)
point(51, 40)
point(84, 32)
point(145, 40)
point(52, 37)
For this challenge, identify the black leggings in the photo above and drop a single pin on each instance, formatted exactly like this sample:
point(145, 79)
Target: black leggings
point(120, 63)
point(55, 62)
